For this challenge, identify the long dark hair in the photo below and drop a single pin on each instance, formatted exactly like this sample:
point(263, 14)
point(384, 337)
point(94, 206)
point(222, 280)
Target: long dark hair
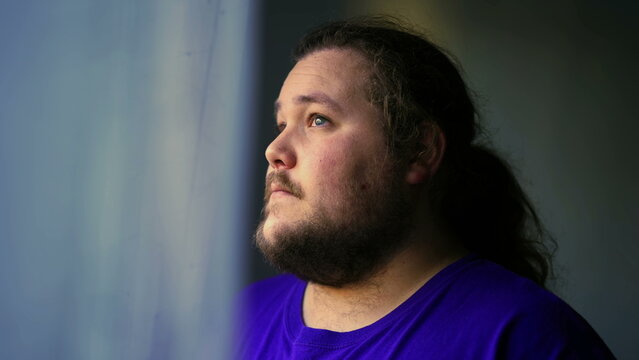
point(474, 192)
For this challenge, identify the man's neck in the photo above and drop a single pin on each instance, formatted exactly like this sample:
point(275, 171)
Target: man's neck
point(353, 307)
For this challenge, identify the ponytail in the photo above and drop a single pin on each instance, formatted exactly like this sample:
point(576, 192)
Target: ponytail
point(484, 206)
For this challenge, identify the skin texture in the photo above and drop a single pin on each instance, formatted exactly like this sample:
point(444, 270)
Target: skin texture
point(330, 164)
point(320, 155)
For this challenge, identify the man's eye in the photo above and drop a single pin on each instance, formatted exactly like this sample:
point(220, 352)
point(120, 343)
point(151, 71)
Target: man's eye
point(280, 127)
point(318, 120)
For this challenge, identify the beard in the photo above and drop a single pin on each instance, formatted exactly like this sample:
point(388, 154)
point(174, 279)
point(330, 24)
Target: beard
point(372, 228)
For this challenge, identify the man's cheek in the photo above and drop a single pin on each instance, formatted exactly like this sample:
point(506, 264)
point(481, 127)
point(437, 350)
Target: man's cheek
point(329, 170)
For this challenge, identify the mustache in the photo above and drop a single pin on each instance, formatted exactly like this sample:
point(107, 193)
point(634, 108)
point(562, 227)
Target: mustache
point(282, 180)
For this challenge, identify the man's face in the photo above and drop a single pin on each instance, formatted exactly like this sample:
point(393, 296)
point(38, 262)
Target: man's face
point(335, 204)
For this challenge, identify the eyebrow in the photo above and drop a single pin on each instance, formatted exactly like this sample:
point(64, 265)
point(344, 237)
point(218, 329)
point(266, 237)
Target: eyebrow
point(312, 98)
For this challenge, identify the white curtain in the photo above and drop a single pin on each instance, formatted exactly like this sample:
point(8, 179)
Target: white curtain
point(125, 130)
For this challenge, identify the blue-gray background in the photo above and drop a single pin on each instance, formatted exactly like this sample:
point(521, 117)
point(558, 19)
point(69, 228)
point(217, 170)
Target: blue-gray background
point(125, 126)
point(131, 157)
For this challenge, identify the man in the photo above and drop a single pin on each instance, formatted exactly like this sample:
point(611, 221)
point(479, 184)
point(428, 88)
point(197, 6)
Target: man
point(403, 238)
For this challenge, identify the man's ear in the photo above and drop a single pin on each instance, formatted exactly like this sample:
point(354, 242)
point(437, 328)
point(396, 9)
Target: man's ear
point(426, 162)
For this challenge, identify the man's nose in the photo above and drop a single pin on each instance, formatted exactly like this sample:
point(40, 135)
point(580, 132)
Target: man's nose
point(280, 154)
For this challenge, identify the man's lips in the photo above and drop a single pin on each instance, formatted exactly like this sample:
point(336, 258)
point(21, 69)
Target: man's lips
point(279, 184)
point(277, 189)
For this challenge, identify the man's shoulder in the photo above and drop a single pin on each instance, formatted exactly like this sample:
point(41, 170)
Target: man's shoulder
point(491, 282)
point(524, 316)
point(499, 293)
point(488, 294)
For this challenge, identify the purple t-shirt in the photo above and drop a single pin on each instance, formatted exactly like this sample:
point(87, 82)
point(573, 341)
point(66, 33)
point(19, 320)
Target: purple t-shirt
point(472, 309)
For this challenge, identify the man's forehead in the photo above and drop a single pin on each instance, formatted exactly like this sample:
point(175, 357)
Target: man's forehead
point(346, 59)
point(326, 77)
point(316, 97)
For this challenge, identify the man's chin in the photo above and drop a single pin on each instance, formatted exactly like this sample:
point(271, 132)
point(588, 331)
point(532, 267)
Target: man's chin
point(268, 229)
point(266, 233)
point(275, 224)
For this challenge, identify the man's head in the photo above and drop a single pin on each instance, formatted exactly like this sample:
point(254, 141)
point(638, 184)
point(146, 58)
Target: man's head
point(336, 205)
point(365, 116)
